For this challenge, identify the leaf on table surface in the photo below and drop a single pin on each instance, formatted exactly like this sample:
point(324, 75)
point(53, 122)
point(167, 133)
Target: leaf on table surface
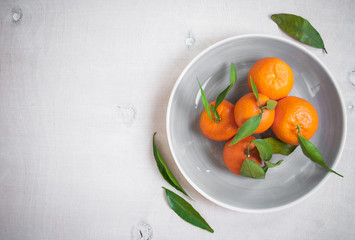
point(164, 170)
point(186, 211)
point(299, 28)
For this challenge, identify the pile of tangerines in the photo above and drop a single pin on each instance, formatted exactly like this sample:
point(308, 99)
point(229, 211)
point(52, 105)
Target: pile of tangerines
point(270, 81)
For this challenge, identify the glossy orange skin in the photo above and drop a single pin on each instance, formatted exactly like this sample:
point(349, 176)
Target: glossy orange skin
point(247, 107)
point(235, 155)
point(272, 77)
point(223, 130)
point(290, 112)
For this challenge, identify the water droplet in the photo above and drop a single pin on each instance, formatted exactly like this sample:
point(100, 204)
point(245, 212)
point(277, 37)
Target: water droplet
point(16, 14)
point(351, 77)
point(142, 231)
point(350, 107)
point(189, 41)
point(125, 114)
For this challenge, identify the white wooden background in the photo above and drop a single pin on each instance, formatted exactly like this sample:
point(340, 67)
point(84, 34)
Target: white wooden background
point(85, 83)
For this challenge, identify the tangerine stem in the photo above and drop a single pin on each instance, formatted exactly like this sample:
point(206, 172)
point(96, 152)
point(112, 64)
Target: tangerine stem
point(299, 129)
point(216, 116)
point(261, 108)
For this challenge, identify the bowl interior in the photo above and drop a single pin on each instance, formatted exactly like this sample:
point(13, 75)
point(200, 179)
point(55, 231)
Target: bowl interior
point(200, 159)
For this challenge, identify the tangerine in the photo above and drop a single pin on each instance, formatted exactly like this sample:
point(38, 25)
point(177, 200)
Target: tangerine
point(235, 155)
point(223, 130)
point(290, 112)
point(272, 77)
point(247, 107)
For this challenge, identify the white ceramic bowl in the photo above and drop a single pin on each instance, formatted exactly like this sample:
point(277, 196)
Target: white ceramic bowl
point(200, 160)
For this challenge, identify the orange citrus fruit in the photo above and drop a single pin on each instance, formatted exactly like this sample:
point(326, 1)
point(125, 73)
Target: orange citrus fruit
point(223, 130)
point(290, 112)
point(235, 155)
point(272, 77)
point(247, 107)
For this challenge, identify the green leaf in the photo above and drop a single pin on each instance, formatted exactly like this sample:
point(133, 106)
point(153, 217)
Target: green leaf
point(299, 28)
point(255, 90)
point(215, 113)
point(247, 129)
point(186, 211)
point(233, 74)
point(205, 101)
point(310, 151)
point(252, 169)
point(233, 79)
point(164, 170)
point(279, 147)
point(264, 149)
point(271, 165)
point(271, 104)
point(222, 95)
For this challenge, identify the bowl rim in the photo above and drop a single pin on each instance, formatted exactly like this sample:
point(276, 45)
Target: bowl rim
point(299, 47)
